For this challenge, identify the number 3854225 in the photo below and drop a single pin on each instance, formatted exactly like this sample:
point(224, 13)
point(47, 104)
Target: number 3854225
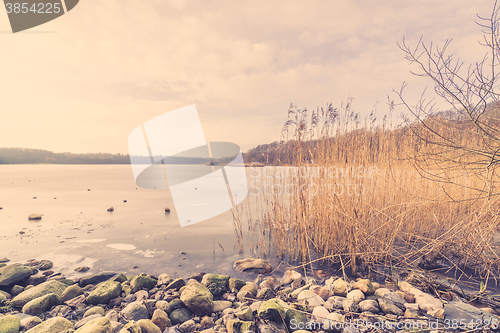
point(36, 8)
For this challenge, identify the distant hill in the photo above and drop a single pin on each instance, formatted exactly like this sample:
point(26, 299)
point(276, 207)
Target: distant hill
point(35, 156)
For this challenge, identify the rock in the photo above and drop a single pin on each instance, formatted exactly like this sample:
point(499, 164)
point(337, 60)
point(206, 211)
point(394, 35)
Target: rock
point(365, 286)
point(197, 298)
point(310, 298)
point(369, 305)
point(111, 209)
point(86, 320)
point(82, 269)
point(28, 323)
point(98, 325)
point(174, 305)
point(53, 325)
point(438, 313)
point(270, 282)
point(239, 326)
point(411, 313)
point(113, 315)
point(41, 304)
point(217, 284)
point(320, 313)
point(95, 278)
point(274, 310)
point(293, 317)
point(176, 284)
point(9, 324)
point(36, 280)
point(340, 287)
point(94, 310)
point(147, 326)
point(250, 287)
point(356, 295)
point(187, 326)
point(45, 265)
point(71, 292)
point(160, 319)
point(131, 327)
point(34, 217)
point(14, 273)
point(104, 292)
point(179, 316)
point(335, 302)
point(322, 292)
point(244, 313)
point(260, 265)
point(135, 311)
point(336, 317)
point(457, 310)
point(265, 293)
point(142, 281)
point(349, 305)
point(426, 301)
point(235, 285)
point(164, 279)
point(381, 292)
point(75, 301)
point(207, 322)
point(220, 306)
point(16, 290)
point(49, 287)
point(167, 210)
point(395, 298)
point(388, 306)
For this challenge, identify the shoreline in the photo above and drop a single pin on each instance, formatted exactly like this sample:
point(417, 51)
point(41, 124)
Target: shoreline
point(36, 299)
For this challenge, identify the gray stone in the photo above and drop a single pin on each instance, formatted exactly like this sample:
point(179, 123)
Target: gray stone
point(388, 306)
point(29, 322)
point(98, 325)
point(95, 278)
point(466, 312)
point(14, 273)
point(179, 316)
point(135, 311)
point(197, 298)
point(41, 304)
point(274, 310)
point(147, 326)
point(217, 284)
point(9, 324)
point(49, 287)
point(142, 281)
point(104, 292)
point(260, 265)
point(71, 292)
point(369, 305)
point(53, 325)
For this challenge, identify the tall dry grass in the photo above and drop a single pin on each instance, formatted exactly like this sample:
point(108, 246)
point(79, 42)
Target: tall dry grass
point(357, 195)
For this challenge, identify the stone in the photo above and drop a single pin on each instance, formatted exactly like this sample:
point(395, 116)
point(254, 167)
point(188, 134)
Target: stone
point(164, 280)
point(244, 313)
point(217, 284)
point(265, 293)
point(160, 319)
point(219, 306)
point(34, 217)
point(235, 285)
point(340, 287)
point(396, 298)
point(175, 304)
point(86, 320)
point(293, 317)
point(142, 281)
point(369, 305)
point(207, 322)
point(187, 326)
point(16, 290)
point(411, 313)
point(260, 265)
point(349, 305)
point(53, 325)
point(94, 310)
point(135, 311)
point(438, 313)
point(381, 292)
point(9, 324)
point(49, 287)
point(250, 287)
point(41, 304)
point(335, 302)
point(388, 306)
point(113, 315)
point(147, 326)
point(274, 310)
point(197, 298)
point(98, 325)
point(176, 284)
point(104, 292)
point(14, 273)
point(356, 295)
point(322, 292)
point(131, 327)
point(75, 301)
point(336, 317)
point(45, 265)
point(310, 298)
point(240, 326)
point(71, 292)
point(82, 269)
point(270, 282)
point(179, 316)
point(457, 310)
point(365, 286)
point(36, 280)
point(320, 313)
point(95, 278)
point(426, 301)
point(29, 322)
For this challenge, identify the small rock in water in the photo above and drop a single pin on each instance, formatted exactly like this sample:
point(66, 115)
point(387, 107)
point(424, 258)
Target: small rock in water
point(167, 210)
point(124, 200)
point(33, 217)
point(34, 197)
point(1, 208)
point(110, 209)
point(81, 269)
point(88, 189)
point(260, 265)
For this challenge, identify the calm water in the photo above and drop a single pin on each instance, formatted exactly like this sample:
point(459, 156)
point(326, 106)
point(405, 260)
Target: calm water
point(77, 230)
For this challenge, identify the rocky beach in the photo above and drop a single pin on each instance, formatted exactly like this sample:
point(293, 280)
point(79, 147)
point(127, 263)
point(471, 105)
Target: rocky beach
point(35, 299)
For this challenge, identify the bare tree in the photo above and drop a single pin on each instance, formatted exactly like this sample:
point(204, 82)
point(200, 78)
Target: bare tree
point(465, 139)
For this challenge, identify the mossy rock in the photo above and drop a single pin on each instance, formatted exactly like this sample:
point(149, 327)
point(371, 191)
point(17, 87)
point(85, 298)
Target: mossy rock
point(179, 316)
point(142, 281)
point(53, 325)
point(41, 304)
point(9, 324)
point(104, 292)
point(274, 310)
point(217, 284)
point(240, 326)
point(49, 287)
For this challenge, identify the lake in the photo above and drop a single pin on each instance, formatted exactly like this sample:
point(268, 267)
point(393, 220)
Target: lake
point(77, 230)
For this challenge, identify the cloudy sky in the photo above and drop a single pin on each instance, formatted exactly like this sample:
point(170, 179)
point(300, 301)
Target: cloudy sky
point(84, 81)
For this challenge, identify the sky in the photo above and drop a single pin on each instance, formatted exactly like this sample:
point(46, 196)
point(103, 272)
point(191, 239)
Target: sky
point(83, 82)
